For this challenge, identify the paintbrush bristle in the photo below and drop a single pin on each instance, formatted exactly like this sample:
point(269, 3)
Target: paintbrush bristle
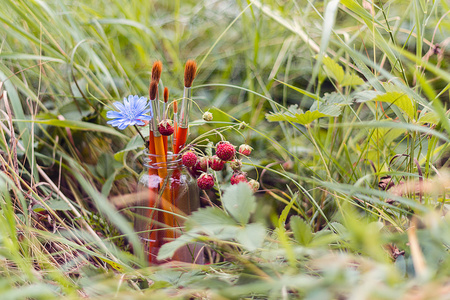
point(189, 73)
point(156, 71)
point(175, 107)
point(166, 95)
point(153, 90)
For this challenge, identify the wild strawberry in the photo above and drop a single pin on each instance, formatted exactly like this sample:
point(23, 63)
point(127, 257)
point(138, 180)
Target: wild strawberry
point(203, 163)
point(238, 177)
point(236, 165)
point(225, 150)
point(189, 159)
point(165, 127)
point(216, 163)
point(245, 149)
point(205, 181)
point(254, 185)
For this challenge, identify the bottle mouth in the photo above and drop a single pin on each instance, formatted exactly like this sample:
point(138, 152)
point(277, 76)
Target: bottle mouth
point(169, 161)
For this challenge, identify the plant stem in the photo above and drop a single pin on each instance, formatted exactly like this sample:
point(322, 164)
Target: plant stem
point(143, 138)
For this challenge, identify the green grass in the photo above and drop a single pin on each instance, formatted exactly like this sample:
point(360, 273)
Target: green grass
point(334, 96)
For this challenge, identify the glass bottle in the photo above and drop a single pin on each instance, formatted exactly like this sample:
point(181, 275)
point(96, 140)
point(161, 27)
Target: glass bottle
point(171, 194)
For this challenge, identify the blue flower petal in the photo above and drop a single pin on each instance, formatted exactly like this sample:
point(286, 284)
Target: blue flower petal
point(119, 106)
point(134, 110)
point(113, 114)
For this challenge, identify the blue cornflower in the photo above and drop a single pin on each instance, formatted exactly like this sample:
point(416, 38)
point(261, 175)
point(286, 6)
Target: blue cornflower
point(133, 111)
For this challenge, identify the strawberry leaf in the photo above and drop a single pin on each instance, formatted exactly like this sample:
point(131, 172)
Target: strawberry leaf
point(430, 118)
point(335, 71)
point(251, 236)
point(401, 100)
point(393, 95)
point(239, 201)
point(303, 118)
point(302, 231)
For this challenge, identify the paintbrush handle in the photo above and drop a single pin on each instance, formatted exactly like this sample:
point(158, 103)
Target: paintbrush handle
point(181, 138)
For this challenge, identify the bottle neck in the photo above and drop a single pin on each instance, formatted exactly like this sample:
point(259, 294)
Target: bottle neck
point(170, 162)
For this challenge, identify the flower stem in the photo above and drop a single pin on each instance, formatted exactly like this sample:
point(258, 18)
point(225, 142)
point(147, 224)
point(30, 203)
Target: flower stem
point(139, 133)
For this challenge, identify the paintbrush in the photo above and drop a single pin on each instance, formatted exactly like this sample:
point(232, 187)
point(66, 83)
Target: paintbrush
point(156, 76)
point(175, 125)
point(189, 74)
point(166, 98)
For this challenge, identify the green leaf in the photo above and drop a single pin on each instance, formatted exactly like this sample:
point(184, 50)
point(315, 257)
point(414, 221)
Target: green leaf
point(300, 118)
point(135, 143)
point(302, 231)
point(339, 228)
point(212, 221)
point(239, 201)
point(57, 205)
point(335, 71)
point(331, 104)
point(335, 98)
point(364, 96)
point(323, 238)
point(393, 95)
point(430, 118)
point(401, 100)
point(251, 236)
point(351, 80)
point(285, 212)
point(168, 249)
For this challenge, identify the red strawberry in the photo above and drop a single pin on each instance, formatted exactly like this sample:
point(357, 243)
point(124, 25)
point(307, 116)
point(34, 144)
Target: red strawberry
point(238, 177)
point(165, 127)
point(189, 159)
point(216, 163)
point(245, 149)
point(205, 181)
point(225, 151)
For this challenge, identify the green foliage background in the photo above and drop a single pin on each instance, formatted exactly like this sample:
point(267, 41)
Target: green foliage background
point(334, 96)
